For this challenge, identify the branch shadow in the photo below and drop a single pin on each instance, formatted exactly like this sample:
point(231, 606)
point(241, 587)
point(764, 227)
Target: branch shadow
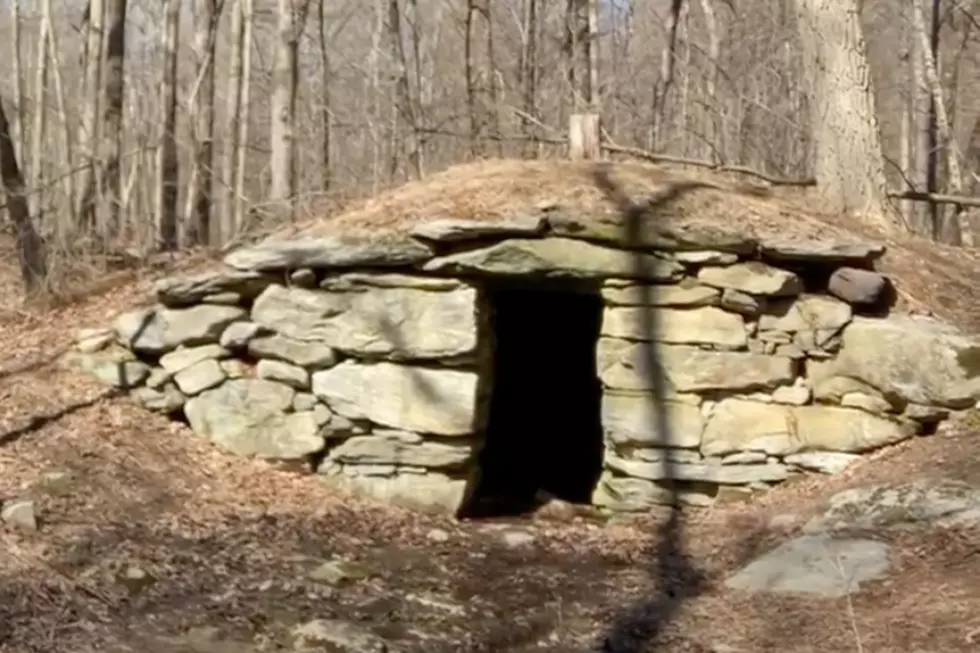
point(36, 422)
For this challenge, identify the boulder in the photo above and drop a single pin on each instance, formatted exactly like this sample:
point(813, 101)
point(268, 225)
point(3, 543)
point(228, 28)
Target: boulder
point(815, 564)
point(248, 417)
point(238, 334)
point(418, 399)
point(637, 419)
point(158, 330)
point(857, 286)
point(454, 231)
point(825, 462)
point(183, 357)
point(623, 365)
point(187, 291)
point(385, 447)
point(365, 281)
point(740, 302)
point(328, 252)
point(915, 359)
point(754, 278)
point(705, 257)
point(285, 373)
point(705, 325)
point(200, 376)
point(687, 292)
point(166, 399)
point(630, 494)
point(779, 430)
point(113, 366)
point(395, 323)
point(557, 257)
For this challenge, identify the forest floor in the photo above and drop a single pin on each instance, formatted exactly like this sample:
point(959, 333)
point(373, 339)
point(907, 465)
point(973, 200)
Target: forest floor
point(150, 540)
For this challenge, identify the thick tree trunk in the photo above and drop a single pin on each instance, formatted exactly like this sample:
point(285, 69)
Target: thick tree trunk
point(89, 131)
point(233, 111)
point(30, 247)
point(849, 164)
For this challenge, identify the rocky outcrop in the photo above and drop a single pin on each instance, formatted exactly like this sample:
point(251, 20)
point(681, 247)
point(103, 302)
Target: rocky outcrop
point(724, 367)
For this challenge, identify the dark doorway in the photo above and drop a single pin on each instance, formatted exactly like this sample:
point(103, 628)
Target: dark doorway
point(544, 430)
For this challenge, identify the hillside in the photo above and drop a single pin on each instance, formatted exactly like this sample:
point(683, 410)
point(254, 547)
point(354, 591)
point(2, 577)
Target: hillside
point(150, 540)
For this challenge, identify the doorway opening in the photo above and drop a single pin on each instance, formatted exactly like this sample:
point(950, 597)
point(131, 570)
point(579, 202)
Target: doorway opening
point(544, 429)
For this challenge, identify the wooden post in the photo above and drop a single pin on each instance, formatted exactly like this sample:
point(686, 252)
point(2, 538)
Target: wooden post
point(583, 137)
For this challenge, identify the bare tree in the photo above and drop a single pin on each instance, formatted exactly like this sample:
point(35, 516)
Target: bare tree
point(89, 131)
point(30, 247)
point(40, 114)
point(233, 98)
point(849, 163)
point(667, 65)
point(241, 155)
point(528, 74)
point(292, 17)
point(207, 13)
point(167, 187)
point(404, 97)
point(326, 115)
point(16, 57)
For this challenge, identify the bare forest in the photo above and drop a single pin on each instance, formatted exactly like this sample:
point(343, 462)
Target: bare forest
point(131, 127)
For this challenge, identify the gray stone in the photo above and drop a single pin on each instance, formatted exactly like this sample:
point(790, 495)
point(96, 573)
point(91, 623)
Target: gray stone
point(430, 492)
point(817, 565)
point(688, 326)
point(453, 231)
point(706, 257)
point(311, 355)
point(623, 365)
point(417, 399)
point(635, 418)
point(776, 429)
point(89, 341)
point(857, 286)
point(183, 357)
point(159, 330)
point(818, 316)
point(740, 302)
point(291, 375)
point(923, 503)
point(384, 447)
point(825, 462)
point(873, 403)
point(704, 472)
point(167, 399)
point(754, 278)
point(918, 360)
point(364, 281)
point(303, 278)
point(744, 458)
point(797, 394)
point(621, 292)
point(114, 366)
point(557, 257)
point(239, 334)
point(338, 636)
point(327, 252)
point(235, 368)
point(19, 513)
point(199, 377)
point(820, 251)
point(188, 291)
point(394, 323)
point(630, 494)
point(340, 572)
point(654, 233)
point(248, 417)
point(305, 401)
point(925, 414)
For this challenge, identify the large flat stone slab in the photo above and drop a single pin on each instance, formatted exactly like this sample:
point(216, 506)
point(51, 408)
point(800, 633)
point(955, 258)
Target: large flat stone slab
point(779, 429)
point(706, 325)
point(393, 323)
point(157, 330)
point(653, 232)
point(327, 253)
point(637, 418)
point(817, 565)
point(557, 257)
point(622, 365)
point(408, 398)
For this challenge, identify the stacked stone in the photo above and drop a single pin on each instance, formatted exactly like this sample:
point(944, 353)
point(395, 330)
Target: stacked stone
point(372, 357)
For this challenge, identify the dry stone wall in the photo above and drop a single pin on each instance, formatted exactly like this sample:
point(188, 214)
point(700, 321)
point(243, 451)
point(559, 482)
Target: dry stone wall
point(727, 365)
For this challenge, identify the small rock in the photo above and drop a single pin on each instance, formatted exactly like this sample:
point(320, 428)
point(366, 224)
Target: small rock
point(135, 579)
point(19, 513)
point(238, 334)
point(303, 278)
point(291, 375)
point(856, 286)
point(199, 377)
point(339, 572)
point(740, 302)
point(438, 535)
point(797, 394)
point(514, 539)
point(339, 636)
point(825, 462)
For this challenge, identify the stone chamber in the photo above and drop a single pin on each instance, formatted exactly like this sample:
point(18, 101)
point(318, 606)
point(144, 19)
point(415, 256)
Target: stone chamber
point(465, 367)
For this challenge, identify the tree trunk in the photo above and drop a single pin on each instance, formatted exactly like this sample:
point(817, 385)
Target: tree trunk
point(241, 157)
point(849, 163)
point(40, 116)
point(326, 116)
point(662, 88)
point(233, 110)
point(946, 228)
point(529, 74)
point(292, 15)
point(30, 247)
point(167, 188)
point(402, 88)
point(88, 137)
point(115, 81)
point(18, 123)
point(201, 189)
point(66, 136)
